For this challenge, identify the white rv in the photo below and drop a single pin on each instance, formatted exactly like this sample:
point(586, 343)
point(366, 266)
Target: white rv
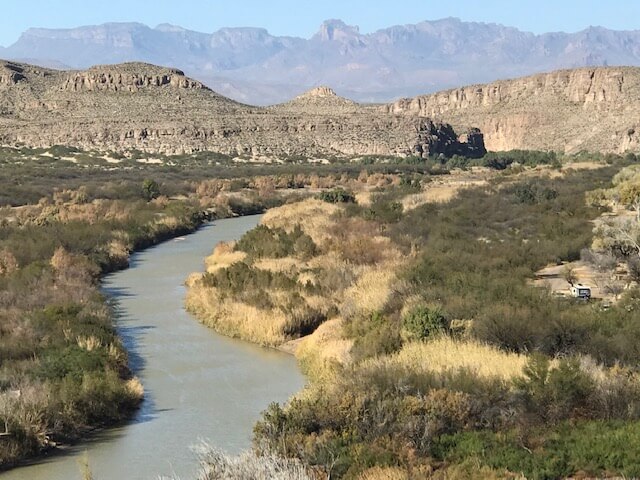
point(580, 291)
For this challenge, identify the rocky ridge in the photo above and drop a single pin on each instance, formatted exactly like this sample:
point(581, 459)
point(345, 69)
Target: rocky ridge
point(593, 109)
point(130, 77)
point(156, 109)
point(253, 66)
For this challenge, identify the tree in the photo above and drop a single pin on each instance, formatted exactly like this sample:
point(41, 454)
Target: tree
point(8, 262)
point(618, 236)
point(150, 189)
point(569, 274)
point(629, 195)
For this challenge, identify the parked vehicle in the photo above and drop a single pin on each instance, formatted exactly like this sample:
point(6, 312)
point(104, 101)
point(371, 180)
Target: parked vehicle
point(581, 291)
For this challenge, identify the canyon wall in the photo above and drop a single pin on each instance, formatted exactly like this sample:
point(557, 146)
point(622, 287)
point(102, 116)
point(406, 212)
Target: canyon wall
point(595, 109)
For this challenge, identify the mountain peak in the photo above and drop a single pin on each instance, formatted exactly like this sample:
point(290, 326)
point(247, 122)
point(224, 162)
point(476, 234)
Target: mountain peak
point(319, 100)
point(335, 29)
point(318, 92)
point(169, 28)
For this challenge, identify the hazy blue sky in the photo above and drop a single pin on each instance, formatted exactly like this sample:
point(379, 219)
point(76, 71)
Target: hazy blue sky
point(302, 18)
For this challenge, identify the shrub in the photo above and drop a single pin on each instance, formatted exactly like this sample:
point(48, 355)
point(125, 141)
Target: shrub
point(423, 322)
point(555, 393)
point(337, 195)
point(150, 189)
point(263, 241)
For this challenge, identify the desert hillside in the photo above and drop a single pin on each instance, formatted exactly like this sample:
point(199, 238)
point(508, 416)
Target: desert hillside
point(155, 109)
point(594, 109)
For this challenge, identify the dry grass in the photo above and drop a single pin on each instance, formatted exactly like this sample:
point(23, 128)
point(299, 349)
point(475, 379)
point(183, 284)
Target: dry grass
point(384, 473)
point(217, 465)
point(371, 292)
point(472, 470)
point(440, 193)
point(583, 166)
point(325, 348)
point(364, 198)
point(223, 256)
point(89, 343)
point(236, 319)
point(135, 388)
point(289, 265)
point(443, 354)
point(313, 216)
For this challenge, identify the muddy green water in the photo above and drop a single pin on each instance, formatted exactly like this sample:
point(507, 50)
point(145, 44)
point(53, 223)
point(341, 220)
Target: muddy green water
point(198, 385)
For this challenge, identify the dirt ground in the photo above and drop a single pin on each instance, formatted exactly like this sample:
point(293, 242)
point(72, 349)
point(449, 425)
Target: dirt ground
point(552, 277)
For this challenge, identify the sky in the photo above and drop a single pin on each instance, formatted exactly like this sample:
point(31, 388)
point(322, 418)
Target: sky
point(302, 18)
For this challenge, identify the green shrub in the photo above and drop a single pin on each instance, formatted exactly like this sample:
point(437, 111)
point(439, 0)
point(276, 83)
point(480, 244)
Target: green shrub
point(150, 189)
point(263, 241)
point(555, 393)
point(338, 195)
point(423, 322)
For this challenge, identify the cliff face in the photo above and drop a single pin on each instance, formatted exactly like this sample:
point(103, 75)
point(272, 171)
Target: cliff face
point(10, 74)
point(154, 109)
point(594, 109)
point(128, 77)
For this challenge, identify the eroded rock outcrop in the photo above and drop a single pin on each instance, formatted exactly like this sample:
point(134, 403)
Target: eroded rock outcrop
point(11, 74)
point(154, 109)
point(129, 77)
point(440, 138)
point(567, 110)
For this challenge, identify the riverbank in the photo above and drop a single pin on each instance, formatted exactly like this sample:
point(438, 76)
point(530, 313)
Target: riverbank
point(68, 341)
point(416, 328)
point(56, 335)
point(198, 385)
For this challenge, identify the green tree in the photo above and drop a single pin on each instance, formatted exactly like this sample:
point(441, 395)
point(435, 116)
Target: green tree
point(150, 189)
point(424, 322)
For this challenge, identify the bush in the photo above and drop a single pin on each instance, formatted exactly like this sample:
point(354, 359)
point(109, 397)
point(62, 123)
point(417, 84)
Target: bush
point(592, 449)
point(373, 336)
point(337, 195)
point(263, 241)
point(150, 189)
point(555, 393)
point(423, 322)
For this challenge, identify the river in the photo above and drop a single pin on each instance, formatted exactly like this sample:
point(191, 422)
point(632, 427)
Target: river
point(198, 385)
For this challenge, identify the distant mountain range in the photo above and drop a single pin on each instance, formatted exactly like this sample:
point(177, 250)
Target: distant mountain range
point(253, 66)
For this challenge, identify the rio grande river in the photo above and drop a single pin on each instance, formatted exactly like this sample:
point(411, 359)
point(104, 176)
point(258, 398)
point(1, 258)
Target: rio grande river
point(198, 385)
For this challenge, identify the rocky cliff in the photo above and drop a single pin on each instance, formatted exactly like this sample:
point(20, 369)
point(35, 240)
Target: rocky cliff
point(155, 109)
point(128, 77)
point(594, 109)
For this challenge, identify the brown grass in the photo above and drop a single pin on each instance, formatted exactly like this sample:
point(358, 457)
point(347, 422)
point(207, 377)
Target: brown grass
point(313, 216)
point(289, 265)
point(445, 353)
point(320, 352)
point(223, 256)
point(236, 319)
point(373, 289)
point(135, 388)
point(384, 473)
point(440, 192)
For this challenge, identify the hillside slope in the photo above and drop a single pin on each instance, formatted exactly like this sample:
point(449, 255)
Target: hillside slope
point(594, 109)
point(156, 109)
